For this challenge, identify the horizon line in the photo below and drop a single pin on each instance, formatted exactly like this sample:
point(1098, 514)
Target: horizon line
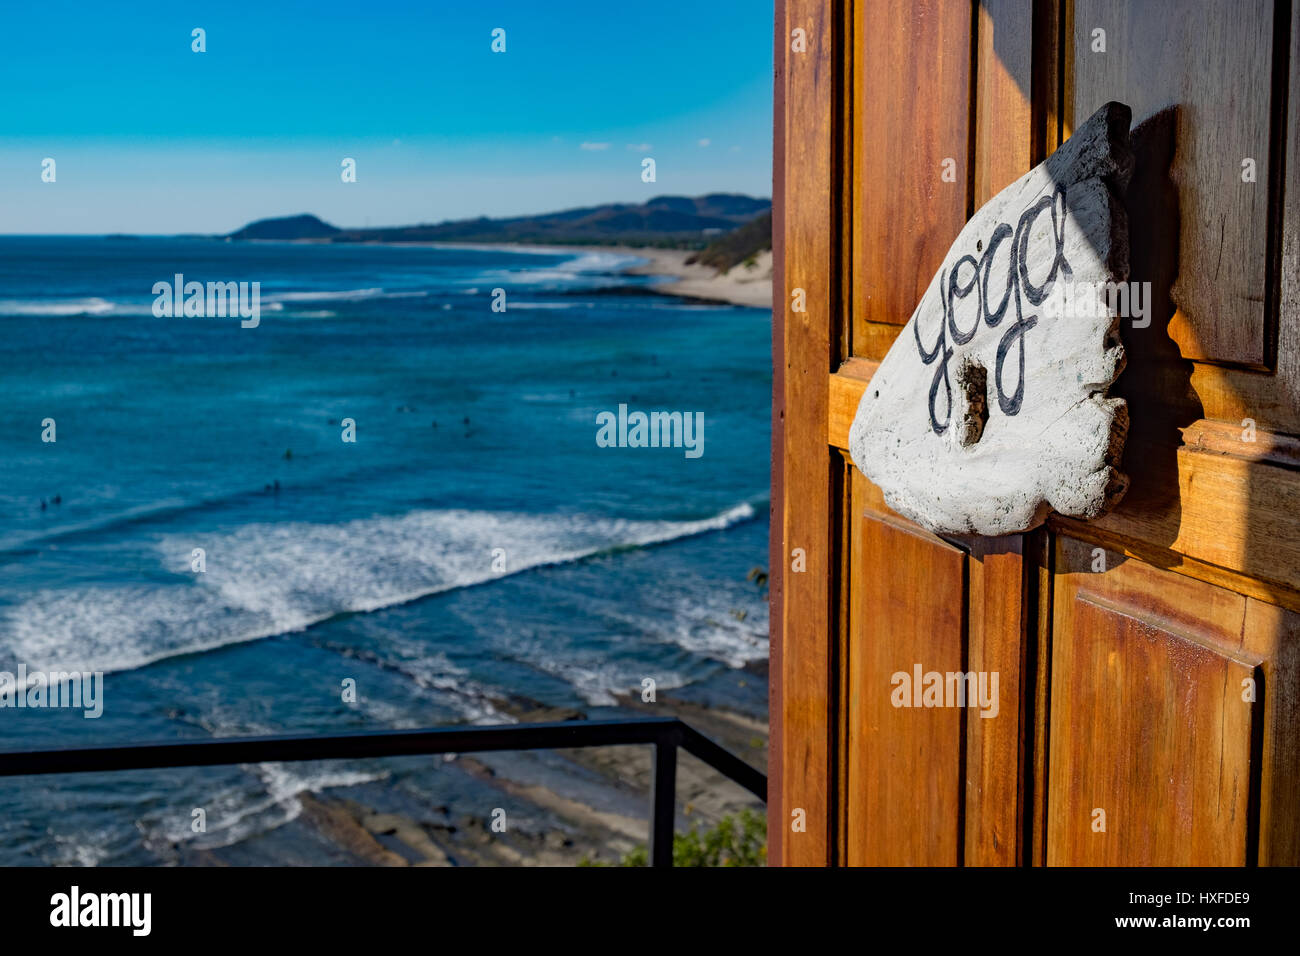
point(298, 215)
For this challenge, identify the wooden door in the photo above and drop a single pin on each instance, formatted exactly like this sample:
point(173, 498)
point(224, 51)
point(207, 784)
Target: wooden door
point(1148, 671)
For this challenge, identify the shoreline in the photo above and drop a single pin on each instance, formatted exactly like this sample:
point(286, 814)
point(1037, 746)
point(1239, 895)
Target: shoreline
point(738, 286)
point(750, 288)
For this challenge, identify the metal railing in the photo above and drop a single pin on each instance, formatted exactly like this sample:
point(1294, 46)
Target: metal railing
point(665, 735)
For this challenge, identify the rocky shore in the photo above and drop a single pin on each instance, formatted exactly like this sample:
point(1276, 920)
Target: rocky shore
point(588, 804)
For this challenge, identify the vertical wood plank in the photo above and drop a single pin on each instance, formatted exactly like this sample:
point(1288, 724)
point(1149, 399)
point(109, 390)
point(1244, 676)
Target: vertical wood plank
point(1009, 129)
point(912, 98)
point(1004, 113)
point(905, 767)
point(1044, 551)
point(776, 503)
point(803, 695)
point(842, 598)
point(1274, 633)
point(994, 745)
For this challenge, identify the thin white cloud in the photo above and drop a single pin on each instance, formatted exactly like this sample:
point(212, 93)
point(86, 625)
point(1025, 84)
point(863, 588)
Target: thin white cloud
point(594, 146)
point(640, 147)
point(705, 142)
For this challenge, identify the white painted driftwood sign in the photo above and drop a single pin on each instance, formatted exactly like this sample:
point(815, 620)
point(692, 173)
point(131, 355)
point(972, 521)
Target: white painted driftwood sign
point(990, 409)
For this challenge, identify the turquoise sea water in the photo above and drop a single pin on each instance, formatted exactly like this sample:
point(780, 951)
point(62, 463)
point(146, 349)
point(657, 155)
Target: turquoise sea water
point(474, 542)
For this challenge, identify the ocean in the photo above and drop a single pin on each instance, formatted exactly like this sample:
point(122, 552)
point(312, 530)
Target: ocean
point(473, 545)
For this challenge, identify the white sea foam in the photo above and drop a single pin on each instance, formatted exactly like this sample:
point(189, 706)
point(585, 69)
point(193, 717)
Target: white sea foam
point(578, 268)
point(593, 261)
point(81, 849)
point(557, 306)
point(713, 630)
point(344, 295)
point(238, 812)
point(598, 684)
point(143, 307)
point(269, 579)
point(92, 305)
point(598, 262)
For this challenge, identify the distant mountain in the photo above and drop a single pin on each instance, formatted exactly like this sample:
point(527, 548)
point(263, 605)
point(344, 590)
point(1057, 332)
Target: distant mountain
point(680, 221)
point(288, 227)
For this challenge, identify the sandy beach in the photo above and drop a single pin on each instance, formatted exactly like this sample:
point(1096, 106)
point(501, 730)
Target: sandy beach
point(739, 285)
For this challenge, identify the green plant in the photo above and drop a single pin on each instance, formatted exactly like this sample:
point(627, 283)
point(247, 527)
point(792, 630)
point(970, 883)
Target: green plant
point(739, 840)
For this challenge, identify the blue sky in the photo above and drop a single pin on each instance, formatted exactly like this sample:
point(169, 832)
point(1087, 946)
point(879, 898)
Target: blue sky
point(150, 137)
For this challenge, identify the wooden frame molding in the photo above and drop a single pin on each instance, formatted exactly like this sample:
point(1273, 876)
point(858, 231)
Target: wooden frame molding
point(806, 236)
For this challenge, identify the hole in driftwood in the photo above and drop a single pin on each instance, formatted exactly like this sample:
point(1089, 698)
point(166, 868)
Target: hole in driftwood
point(972, 386)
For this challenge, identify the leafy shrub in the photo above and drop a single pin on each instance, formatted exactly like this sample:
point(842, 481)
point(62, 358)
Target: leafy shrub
point(735, 841)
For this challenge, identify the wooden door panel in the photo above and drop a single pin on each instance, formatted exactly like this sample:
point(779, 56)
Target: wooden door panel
point(1119, 689)
point(904, 763)
point(1148, 720)
point(1214, 64)
point(906, 214)
point(1149, 728)
point(1273, 401)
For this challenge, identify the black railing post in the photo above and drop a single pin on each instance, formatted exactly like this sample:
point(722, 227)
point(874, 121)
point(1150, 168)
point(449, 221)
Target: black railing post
point(663, 799)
